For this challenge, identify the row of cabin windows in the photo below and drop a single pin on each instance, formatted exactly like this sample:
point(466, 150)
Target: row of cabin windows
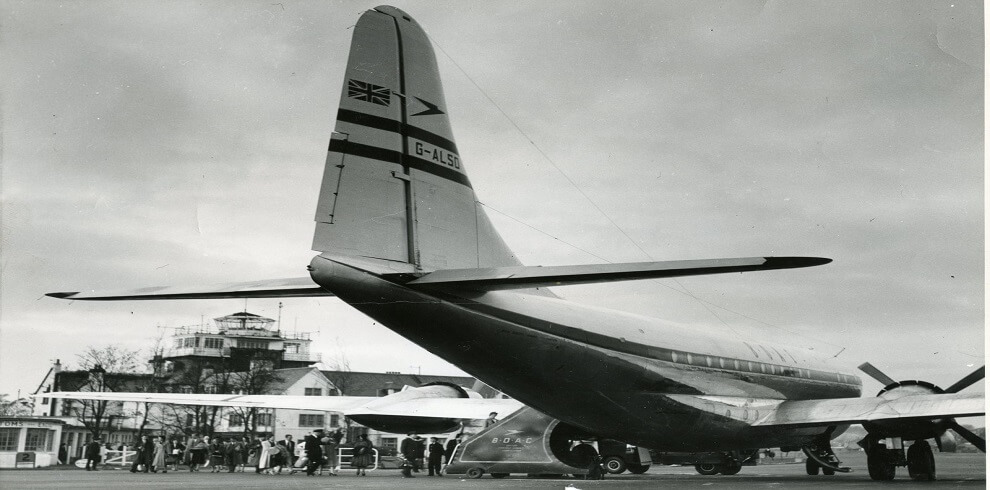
point(305, 419)
point(755, 367)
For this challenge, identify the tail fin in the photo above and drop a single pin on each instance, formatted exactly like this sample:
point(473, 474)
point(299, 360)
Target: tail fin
point(394, 187)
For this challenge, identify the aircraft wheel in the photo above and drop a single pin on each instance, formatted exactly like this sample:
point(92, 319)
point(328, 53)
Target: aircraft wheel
point(474, 473)
point(811, 466)
point(879, 468)
point(638, 469)
point(827, 471)
point(499, 475)
point(730, 468)
point(921, 461)
point(707, 469)
point(614, 465)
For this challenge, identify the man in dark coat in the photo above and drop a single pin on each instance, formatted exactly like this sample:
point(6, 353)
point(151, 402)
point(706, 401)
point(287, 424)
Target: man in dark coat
point(93, 454)
point(291, 446)
point(451, 446)
point(436, 457)
point(420, 453)
point(314, 451)
point(407, 448)
point(145, 455)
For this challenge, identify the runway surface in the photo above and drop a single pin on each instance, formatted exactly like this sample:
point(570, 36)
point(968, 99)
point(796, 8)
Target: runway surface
point(956, 470)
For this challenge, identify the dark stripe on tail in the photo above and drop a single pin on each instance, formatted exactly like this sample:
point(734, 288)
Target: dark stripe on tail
point(391, 125)
point(392, 156)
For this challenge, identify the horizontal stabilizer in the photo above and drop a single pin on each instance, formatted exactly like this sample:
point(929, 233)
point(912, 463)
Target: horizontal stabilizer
point(518, 277)
point(271, 288)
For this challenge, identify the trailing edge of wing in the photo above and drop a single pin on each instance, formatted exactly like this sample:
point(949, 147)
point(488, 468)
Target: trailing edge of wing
point(455, 408)
point(270, 288)
point(823, 412)
point(518, 277)
point(325, 403)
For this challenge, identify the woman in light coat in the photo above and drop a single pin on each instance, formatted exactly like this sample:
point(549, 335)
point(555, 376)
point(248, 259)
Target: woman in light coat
point(162, 450)
point(264, 457)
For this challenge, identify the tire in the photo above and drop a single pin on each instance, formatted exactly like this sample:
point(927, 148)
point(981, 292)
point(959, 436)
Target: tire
point(921, 461)
point(707, 469)
point(614, 465)
point(878, 467)
point(811, 467)
point(638, 469)
point(730, 468)
point(474, 473)
point(827, 471)
point(499, 475)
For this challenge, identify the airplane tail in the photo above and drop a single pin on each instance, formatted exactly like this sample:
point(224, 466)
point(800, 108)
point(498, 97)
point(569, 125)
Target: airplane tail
point(394, 187)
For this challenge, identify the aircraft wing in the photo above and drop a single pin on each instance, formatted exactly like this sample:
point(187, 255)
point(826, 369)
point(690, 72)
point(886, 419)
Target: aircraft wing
point(836, 411)
point(269, 288)
point(453, 408)
point(325, 403)
point(518, 277)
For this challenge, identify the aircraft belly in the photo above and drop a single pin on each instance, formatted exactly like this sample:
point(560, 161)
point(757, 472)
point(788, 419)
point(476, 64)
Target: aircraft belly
point(557, 375)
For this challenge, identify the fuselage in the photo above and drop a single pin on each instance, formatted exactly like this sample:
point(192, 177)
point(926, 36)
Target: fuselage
point(603, 371)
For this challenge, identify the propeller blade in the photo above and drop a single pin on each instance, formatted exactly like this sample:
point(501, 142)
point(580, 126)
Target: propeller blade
point(876, 374)
point(968, 380)
point(974, 439)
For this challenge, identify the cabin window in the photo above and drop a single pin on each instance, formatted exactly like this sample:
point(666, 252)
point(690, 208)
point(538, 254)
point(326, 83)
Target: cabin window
point(689, 358)
point(708, 361)
point(673, 356)
point(735, 363)
point(721, 362)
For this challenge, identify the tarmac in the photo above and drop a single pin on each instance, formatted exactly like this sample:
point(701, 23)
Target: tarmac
point(955, 470)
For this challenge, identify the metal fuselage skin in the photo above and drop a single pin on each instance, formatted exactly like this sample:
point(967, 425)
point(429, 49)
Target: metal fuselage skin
point(603, 371)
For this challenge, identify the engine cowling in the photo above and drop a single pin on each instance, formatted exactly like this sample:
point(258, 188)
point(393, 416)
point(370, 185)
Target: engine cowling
point(374, 415)
point(908, 429)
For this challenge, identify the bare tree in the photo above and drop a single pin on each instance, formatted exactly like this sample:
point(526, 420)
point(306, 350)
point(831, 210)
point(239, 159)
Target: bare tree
point(110, 368)
point(13, 408)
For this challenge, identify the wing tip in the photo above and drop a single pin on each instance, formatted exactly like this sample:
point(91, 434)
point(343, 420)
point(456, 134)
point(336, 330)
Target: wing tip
point(795, 262)
point(63, 295)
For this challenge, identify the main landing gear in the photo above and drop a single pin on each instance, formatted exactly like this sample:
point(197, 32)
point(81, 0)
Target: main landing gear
point(882, 461)
point(722, 464)
point(821, 458)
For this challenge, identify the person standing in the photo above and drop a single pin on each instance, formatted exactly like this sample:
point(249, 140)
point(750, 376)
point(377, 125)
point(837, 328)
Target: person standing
point(363, 454)
point(407, 448)
point(93, 454)
point(448, 453)
point(314, 452)
point(63, 454)
point(265, 457)
point(145, 453)
point(435, 458)
point(290, 445)
point(162, 450)
point(178, 450)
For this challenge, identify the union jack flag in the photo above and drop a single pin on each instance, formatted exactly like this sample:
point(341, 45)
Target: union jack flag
point(368, 92)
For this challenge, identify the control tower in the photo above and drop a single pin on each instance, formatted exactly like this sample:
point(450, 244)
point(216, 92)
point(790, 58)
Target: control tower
point(236, 342)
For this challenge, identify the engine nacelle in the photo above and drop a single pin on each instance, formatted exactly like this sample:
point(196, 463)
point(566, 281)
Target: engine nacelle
point(908, 429)
point(370, 415)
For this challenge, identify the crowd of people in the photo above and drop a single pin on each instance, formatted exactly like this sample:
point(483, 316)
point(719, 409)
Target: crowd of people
point(316, 453)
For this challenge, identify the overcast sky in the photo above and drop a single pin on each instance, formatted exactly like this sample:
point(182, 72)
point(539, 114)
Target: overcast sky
point(172, 143)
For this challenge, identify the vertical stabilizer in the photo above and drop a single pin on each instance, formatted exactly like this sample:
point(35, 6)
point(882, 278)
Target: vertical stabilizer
point(394, 187)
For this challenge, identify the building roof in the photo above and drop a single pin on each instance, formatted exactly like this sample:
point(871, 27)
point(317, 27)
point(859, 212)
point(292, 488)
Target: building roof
point(291, 376)
point(353, 383)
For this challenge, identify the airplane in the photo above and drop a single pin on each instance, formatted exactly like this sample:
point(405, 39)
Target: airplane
point(402, 238)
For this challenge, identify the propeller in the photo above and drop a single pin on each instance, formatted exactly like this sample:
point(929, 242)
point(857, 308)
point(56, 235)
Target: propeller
point(968, 380)
point(876, 374)
point(956, 387)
